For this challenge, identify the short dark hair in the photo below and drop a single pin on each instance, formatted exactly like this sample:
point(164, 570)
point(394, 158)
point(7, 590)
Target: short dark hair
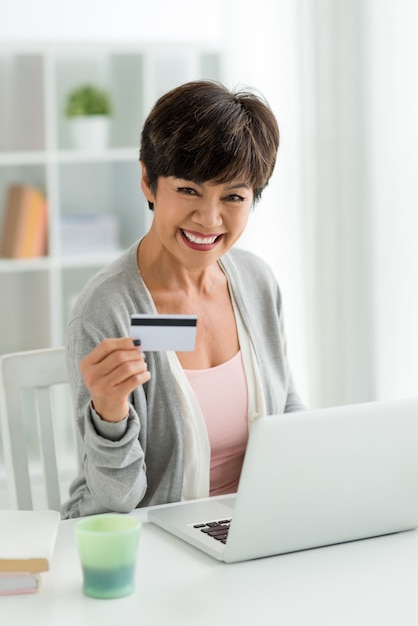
point(201, 131)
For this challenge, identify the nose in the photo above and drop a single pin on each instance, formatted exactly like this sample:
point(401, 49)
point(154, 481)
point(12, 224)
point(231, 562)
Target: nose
point(208, 215)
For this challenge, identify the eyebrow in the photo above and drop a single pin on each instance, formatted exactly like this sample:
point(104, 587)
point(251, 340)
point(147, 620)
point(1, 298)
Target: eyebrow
point(238, 185)
point(228, 188)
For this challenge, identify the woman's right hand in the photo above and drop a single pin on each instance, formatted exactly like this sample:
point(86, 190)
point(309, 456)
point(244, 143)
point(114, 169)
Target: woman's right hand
point(111, 371)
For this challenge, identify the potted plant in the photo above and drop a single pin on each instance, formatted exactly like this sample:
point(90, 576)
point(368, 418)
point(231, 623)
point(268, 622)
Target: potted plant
point(88, 109)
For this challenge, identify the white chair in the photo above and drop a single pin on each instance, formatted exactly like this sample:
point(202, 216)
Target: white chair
point(40, 371)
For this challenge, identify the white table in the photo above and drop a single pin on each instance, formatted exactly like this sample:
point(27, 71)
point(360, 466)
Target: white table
point(368, 582)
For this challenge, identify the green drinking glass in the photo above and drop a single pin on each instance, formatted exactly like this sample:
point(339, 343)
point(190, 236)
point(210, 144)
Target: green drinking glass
point(108, 547)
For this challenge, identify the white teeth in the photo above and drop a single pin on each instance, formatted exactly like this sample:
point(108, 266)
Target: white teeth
point(199, 240)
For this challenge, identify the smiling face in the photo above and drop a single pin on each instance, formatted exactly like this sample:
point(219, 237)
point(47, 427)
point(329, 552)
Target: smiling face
point(196, 223)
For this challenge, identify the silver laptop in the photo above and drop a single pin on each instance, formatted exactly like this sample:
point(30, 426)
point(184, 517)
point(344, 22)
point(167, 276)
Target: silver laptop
point(311, 479)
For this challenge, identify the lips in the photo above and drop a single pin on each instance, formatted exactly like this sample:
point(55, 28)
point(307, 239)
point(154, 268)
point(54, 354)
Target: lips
point(199, 241)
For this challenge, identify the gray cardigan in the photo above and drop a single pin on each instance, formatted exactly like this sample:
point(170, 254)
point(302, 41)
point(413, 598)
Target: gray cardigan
point(140, 461)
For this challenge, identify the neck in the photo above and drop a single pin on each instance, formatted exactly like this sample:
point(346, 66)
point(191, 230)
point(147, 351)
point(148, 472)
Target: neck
point(161, 271)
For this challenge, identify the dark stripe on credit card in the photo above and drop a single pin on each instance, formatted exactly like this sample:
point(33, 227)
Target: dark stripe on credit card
point(152, 321)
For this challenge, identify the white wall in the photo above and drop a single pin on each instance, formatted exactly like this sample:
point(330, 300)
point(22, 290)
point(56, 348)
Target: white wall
point(92, 20)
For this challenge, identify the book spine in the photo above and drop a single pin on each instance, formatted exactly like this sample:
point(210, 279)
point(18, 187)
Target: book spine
point(32, 225)
point(10, 218)
point(33, 234)
point(25, 224)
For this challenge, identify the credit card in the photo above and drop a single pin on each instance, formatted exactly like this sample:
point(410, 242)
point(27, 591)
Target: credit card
point(159, 333)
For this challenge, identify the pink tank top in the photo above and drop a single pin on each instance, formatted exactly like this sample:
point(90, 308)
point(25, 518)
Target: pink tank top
point(223, 398)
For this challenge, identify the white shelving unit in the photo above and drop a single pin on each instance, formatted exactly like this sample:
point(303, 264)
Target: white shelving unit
point(36, 294)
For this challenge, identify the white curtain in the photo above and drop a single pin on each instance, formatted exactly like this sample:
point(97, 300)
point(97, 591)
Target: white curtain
point(393, 115)
point(339, 222)
point(262, 50)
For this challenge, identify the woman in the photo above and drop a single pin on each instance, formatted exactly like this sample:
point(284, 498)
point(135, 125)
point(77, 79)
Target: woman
point(175, 426)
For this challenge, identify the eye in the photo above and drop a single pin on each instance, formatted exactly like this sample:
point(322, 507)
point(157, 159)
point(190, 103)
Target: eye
point(235, 197)
point(188, 191)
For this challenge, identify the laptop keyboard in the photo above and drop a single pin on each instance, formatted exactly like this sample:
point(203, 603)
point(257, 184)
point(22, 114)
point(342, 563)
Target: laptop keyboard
point(218, 529)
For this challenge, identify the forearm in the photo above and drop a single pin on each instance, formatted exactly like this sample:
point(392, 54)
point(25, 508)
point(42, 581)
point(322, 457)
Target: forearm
point(113, 460)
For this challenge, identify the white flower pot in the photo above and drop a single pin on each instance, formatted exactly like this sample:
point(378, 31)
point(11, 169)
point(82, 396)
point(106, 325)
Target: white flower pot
point(90, 132)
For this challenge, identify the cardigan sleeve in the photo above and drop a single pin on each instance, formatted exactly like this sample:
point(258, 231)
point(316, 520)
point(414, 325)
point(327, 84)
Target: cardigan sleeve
point(113, 466)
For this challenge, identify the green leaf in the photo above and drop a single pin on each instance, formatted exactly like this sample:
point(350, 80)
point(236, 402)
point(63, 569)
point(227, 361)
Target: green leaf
point(88, 100)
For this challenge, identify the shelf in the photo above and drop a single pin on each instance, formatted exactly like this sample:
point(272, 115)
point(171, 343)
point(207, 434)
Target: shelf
point(8, 159)
point(48, 263)
point(22, 158)
point(111, 155)
point(36, 150)
point(8, 266)
point(88, 260)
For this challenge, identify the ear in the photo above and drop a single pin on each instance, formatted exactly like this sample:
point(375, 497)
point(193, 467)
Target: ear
point(145, 184)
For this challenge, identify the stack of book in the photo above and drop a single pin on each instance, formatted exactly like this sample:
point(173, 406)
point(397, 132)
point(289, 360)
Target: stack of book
point(24, 228)
point(27, 541)
point(88, 234)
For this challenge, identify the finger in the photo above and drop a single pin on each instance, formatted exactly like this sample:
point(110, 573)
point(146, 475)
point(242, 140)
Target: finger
point(113, 369)
point(108, 346)
point(128, 385)
point(120, 371)
point(109, 354)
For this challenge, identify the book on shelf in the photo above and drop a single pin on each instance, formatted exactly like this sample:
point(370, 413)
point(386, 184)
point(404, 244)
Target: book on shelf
point(25, 223)
point(27, 542)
